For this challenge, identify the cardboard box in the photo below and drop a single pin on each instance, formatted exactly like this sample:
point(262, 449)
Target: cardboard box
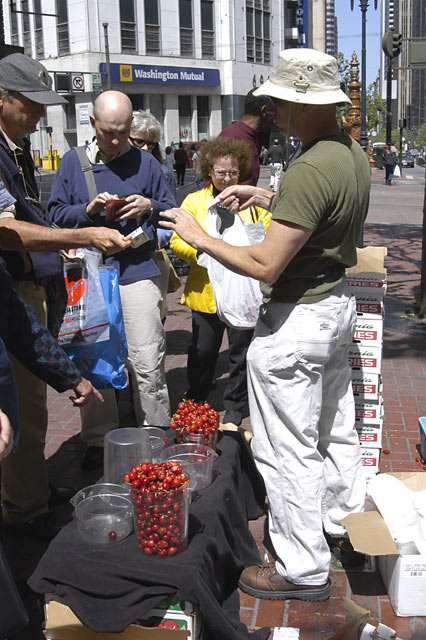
point(369, 331)
point(175, 614)
point(370, 435)
point(422, 431)
point(369, 266)
point(365, 358)
point(368, 305)
point(63, 624)
point(366, 386)
point(370, 413)
point(403, 576)
point(370, 461)
point(367, 281)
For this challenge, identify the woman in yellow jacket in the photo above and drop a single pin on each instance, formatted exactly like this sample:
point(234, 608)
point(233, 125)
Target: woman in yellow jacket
point(223, 161)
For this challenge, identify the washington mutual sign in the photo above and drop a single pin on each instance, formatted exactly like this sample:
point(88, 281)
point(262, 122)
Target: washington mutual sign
point(162, 75)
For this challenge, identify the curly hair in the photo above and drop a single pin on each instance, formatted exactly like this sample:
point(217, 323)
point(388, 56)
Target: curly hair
point(220, 147)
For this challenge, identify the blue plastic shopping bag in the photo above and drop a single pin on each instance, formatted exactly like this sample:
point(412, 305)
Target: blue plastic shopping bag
point(103, 363)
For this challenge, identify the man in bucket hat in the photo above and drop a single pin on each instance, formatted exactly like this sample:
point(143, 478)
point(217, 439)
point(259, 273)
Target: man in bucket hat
point(28, 245)
point(301, 402)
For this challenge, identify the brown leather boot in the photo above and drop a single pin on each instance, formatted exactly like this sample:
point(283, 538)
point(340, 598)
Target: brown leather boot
point(265, 582)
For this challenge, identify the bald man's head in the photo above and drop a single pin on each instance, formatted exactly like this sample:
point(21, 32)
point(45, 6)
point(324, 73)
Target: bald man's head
point(112, 118)
point(112, 100)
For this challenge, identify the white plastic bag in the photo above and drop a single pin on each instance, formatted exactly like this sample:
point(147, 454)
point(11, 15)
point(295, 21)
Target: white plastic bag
point(86, 319)
point(397, 171)
point(237, 297)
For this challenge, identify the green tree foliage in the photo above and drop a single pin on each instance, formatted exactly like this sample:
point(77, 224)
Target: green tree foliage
point(420, 139)
point(375, 108)
point(344, 68)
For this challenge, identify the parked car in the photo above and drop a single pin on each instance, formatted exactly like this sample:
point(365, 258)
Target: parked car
point(407, 160)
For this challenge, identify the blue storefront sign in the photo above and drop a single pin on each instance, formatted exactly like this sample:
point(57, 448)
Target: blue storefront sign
point(301, 22)
point(154, 74)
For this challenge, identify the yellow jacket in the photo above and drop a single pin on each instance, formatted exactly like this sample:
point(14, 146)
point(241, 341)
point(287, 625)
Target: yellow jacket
point(198, 294)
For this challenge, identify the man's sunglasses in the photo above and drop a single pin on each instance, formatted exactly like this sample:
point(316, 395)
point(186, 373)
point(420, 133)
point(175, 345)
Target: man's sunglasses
point(140, 142)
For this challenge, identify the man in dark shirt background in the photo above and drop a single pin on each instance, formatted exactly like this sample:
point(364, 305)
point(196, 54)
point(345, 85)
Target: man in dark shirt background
point(255, 122)
point(181, 162)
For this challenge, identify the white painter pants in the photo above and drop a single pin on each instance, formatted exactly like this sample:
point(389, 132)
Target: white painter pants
point(302, 414)
point(276, 170)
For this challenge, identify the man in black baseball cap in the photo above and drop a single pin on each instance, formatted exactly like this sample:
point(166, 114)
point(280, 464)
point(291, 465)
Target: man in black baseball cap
point(27, 253)
point(29, 77)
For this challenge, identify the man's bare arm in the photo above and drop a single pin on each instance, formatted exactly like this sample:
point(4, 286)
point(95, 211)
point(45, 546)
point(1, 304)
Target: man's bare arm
point(17, 235)
point(264, 261)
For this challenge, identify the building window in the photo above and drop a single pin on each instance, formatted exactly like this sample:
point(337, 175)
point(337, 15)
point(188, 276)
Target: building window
point(186, 30)
point(38, 30)
point(258, 31)
point(62, 28)
point(127, 26)
point(152, 27)
point(203, 113)
point(207, 30)
point(70, 117)
point(14, 26)
point(26, 27)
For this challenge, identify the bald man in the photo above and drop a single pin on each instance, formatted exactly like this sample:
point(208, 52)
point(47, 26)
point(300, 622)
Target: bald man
point(122, 171)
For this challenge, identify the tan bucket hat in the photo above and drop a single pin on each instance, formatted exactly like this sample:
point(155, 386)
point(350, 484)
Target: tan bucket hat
point(306, 76)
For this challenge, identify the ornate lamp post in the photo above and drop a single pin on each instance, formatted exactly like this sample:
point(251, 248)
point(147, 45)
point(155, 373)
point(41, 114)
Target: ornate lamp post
point(363, 4)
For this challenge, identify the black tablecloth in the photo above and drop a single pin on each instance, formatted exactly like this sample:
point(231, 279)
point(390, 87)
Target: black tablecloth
point(110, 586)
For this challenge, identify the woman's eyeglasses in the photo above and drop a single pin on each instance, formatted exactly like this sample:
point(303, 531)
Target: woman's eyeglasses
point(223, 174)
point(140, 142)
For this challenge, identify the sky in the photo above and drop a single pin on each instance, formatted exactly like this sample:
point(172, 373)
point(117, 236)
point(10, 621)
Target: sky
point(349, 29)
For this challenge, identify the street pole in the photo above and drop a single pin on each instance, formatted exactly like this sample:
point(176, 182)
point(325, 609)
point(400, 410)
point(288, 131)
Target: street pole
point(388, 101)
point(363, 4)
point(363, 136)
point(107, 61)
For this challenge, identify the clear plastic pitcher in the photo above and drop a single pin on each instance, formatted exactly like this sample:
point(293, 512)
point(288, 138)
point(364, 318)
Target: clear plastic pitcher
point(123, 448)
point(196, 460)
point(156, 438)
point(103, 512)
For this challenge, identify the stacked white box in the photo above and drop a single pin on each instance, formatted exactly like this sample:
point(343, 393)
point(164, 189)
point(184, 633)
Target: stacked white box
point(367, 281)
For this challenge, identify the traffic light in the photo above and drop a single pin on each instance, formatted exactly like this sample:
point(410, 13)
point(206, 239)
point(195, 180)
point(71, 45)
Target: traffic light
point(396, 44)
point(391, 43)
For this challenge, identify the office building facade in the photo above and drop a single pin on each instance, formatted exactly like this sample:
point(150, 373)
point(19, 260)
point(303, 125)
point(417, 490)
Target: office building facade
point(189, 62)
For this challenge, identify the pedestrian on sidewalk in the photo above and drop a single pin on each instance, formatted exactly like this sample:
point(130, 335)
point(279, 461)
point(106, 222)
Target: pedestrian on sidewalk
point(145, 134)
point(181, 162)
point(254, 124)
point(29, 254)
point(276, 160)
point(300, 394)
point(122, 170)
point(389, 158)
point(222, 162)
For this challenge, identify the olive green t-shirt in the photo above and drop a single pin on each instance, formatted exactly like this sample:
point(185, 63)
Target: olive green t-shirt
point(326, 189)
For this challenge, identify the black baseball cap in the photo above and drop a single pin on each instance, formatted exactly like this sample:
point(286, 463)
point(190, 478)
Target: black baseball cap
point(21, 73)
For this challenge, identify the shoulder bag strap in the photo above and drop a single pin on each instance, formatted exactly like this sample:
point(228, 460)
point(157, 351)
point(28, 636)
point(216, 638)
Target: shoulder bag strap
point(254, 214)
point(86, 167)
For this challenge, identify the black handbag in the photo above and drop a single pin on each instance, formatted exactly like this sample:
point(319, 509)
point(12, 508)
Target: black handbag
point(13, 616)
